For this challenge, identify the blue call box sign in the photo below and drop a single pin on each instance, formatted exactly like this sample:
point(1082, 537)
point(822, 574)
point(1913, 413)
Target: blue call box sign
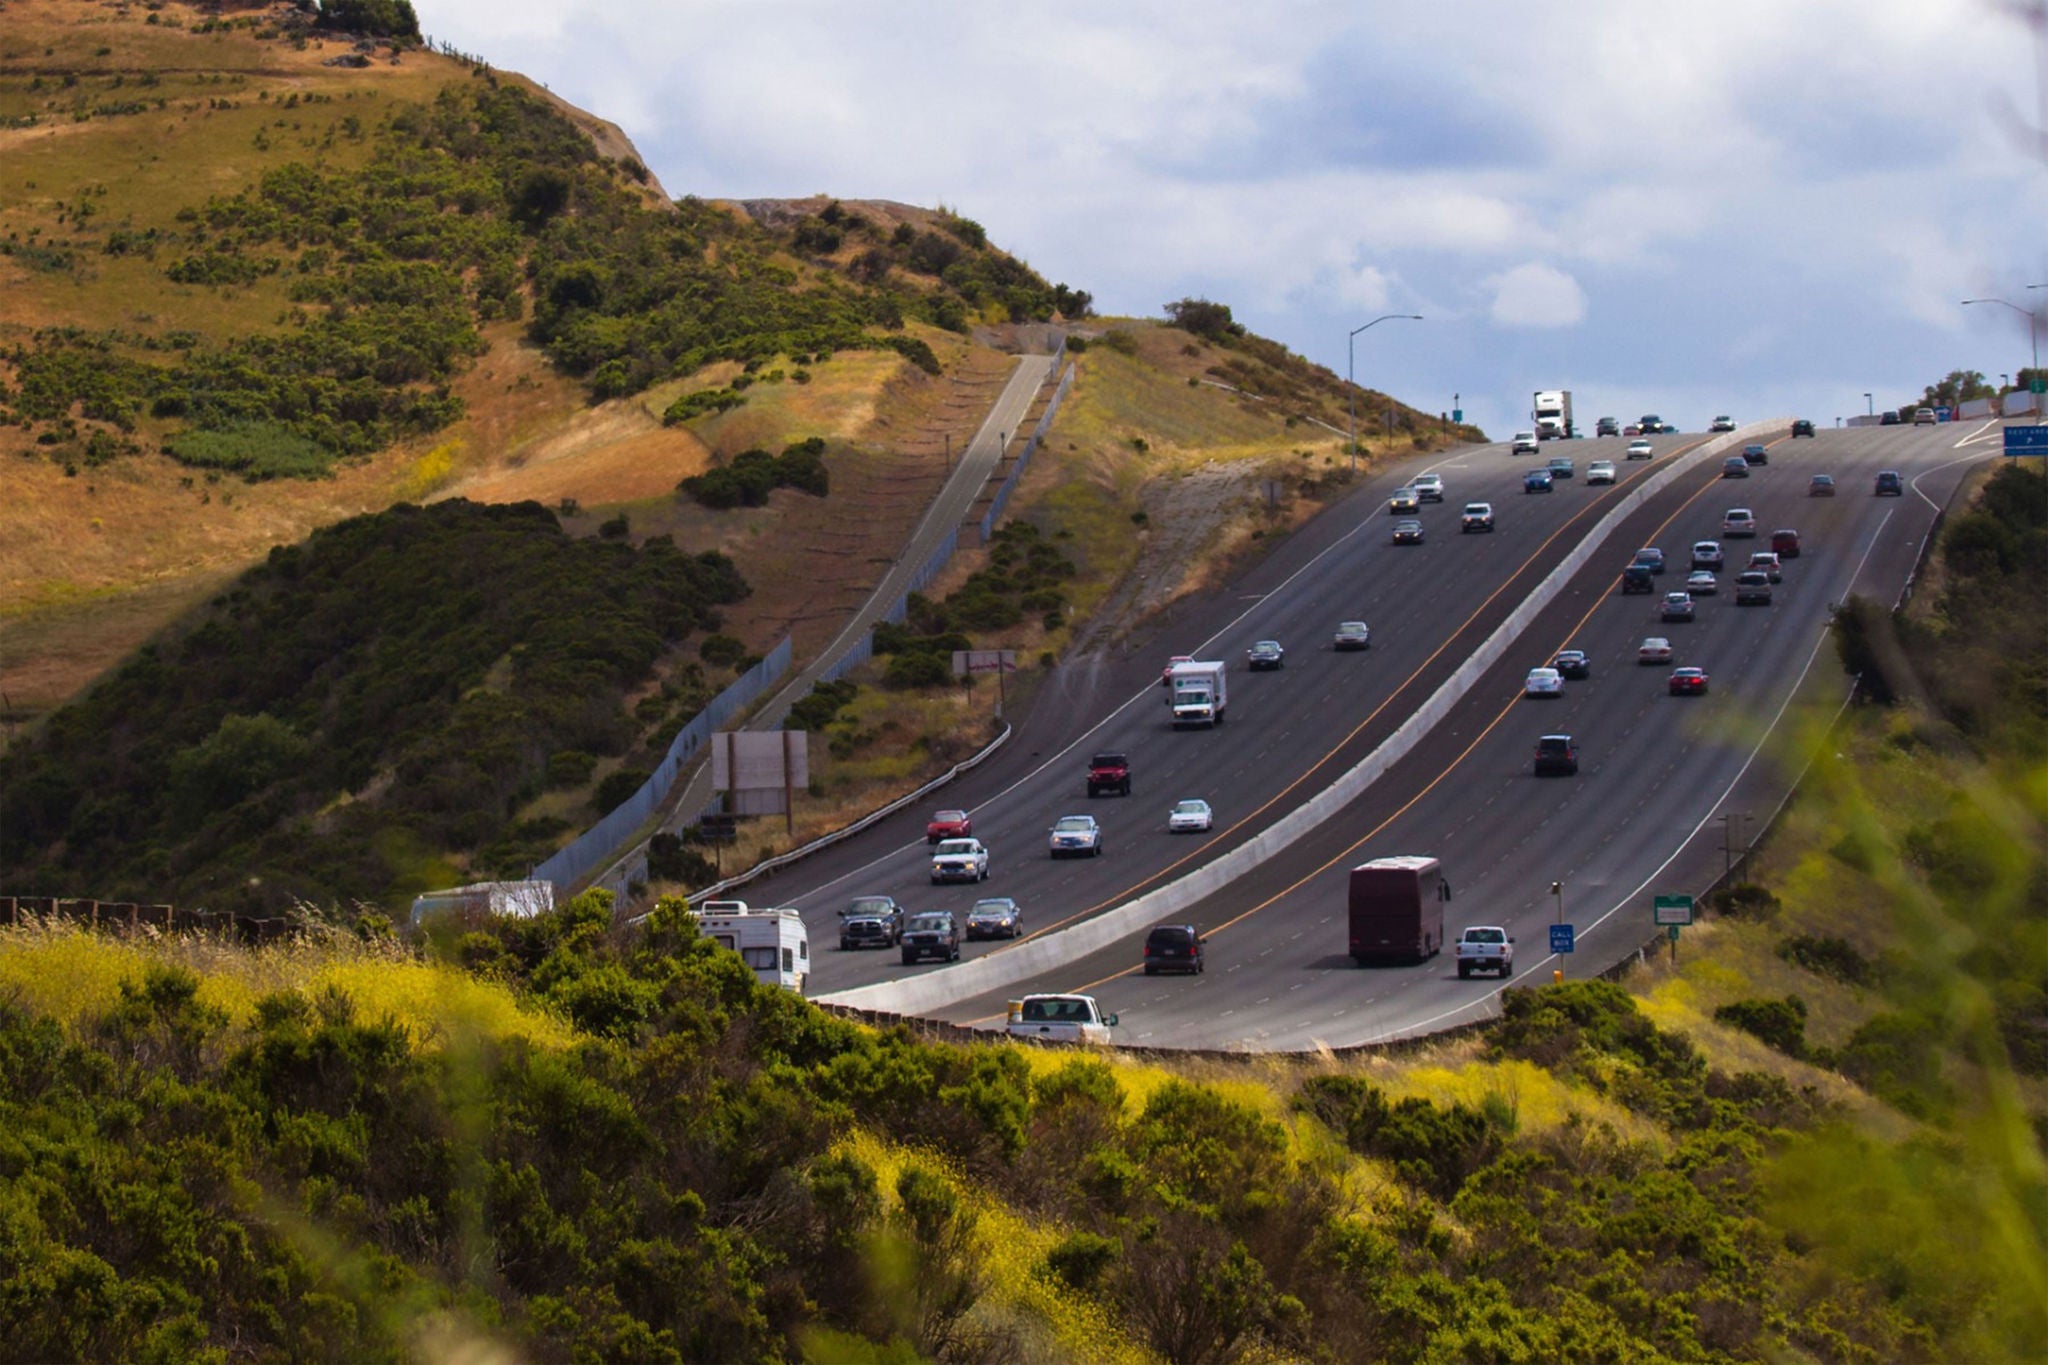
point(1560, 938)
point(2026, 440)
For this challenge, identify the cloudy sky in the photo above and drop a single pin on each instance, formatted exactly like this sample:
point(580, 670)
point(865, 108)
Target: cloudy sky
point(1755, 207)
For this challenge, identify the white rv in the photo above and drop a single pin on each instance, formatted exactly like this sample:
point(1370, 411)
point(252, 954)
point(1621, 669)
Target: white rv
point(771, 941)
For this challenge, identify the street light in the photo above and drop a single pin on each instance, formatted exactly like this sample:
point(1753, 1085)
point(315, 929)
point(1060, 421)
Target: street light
point(2033, 322)
point(1350, 367)
point(1869, 405)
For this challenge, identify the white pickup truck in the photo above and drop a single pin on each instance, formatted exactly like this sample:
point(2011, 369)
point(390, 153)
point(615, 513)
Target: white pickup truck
point(1060, 1019)
point(1485, 948)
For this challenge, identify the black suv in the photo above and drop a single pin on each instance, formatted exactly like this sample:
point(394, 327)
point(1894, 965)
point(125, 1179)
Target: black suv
point(1638, 578)
point(1889, 484)
point(932, 934)
point(1109, 772)
point(1173, 948)
point(1556, 755)
point(1802, 427)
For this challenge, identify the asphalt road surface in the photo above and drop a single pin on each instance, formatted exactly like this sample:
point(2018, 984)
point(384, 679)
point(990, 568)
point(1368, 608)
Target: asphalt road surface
point(1641, 817)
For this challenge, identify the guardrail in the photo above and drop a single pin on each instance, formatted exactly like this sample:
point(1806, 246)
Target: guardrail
point(1009, 483)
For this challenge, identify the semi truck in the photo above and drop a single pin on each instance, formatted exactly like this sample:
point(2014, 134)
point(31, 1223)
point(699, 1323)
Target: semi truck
point(1553, 415)
point(1197, 692)
point(771, 941)
point(1397, 909)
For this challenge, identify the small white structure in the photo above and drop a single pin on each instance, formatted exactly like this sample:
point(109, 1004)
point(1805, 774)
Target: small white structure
point(771, 941)
point(520, 900)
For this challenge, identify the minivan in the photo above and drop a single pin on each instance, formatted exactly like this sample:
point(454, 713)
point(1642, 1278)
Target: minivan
point(1173, 948)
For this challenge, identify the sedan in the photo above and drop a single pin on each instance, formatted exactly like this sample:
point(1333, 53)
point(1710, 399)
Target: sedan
point(1641, 450)
point(1560, 467)
point(1408, 532)
point(1429, 487)
point(1707, 554)
point(1654, 650)
point(948, 824)
point(1352, 635)
point(995, 917)
point(1821, 486)
point(1688, 682)
point(1543, 682)
point(960, 860)
point(1266, 654)
point(1573, 663)
point(1190, 816)
point(1735, 467)
point(1722, 423)
point(1677, 606)
point(1075, 836)
point(1405, 502)
point(1766, 562)
point(1536, 481)
point(1702, 583)
point(1600, 471)
point(1756, 453)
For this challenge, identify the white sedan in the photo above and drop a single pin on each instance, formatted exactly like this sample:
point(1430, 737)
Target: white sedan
point(1543, 682)
point(1191, 814)
point(1654, 650)
point(1600, 471)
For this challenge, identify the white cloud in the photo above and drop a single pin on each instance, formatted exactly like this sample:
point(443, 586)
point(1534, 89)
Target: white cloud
point(1537, 295)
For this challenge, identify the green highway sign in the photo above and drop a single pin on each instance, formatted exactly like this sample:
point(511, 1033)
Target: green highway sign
point(1672, 910)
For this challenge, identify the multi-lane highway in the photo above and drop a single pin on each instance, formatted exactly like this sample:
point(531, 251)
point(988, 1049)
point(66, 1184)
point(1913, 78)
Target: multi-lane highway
point(1640, 816)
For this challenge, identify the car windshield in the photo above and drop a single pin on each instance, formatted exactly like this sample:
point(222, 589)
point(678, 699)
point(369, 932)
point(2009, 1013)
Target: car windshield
point(1074, 824)
point(930, 922)
point(1189, 808)
point(990, 910)
point(956, 846)
point(1485, 936)
point(870, 905)
point(950, 817)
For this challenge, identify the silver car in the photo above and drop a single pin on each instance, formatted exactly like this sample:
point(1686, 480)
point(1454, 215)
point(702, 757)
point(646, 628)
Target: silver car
point(1352, 635)
point(1075, 836)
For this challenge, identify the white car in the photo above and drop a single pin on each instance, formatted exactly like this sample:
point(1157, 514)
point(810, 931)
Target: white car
point(1654, 650)
point(1352, 635)
point(1740, 521)
point(1600, 471)
point(1702, 583)
point(1641, 450)
point(959, 860)
point(1722, 423)
point(1191, 814)
point(1523, 444)
point(1075, 836)
point(1429, 487)
point(1543, 682)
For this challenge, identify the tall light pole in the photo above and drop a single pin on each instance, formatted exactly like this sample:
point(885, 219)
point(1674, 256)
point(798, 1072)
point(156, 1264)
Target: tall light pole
point(1869, 405)
point(2033, 322)
point(1351, 384)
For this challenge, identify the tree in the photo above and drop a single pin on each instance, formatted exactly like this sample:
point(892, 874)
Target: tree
point(372, 18)
point(1203, 318)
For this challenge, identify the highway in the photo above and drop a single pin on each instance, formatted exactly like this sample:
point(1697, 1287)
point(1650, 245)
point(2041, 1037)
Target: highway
point(1641, 816)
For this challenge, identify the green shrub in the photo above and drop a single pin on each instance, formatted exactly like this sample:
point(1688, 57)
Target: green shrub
point(721, 651)
point(1830, 957)
point(617, 788)
point(1780, 1024)
point(256, 450)
point(570, 768)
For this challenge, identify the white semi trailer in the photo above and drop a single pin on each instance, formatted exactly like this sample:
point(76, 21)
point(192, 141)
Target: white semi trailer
point(1553, 415)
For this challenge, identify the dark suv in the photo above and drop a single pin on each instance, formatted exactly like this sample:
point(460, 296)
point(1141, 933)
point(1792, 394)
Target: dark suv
point(1802, 427)
point(1556, 755)
point(1889, 484)
point(932, 934)
point(1109, 772)
point(1638, 578)
point(1173, 948)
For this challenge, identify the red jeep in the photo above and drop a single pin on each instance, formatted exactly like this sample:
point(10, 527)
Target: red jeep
point(1109, 772)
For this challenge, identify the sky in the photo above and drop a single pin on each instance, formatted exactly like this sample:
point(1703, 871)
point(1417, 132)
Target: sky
point(1753, 207)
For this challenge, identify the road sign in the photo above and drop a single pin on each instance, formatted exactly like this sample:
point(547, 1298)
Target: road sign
point(2026, 440)
point(1944, 414)
point(1560, 938)
point(2040, 385)
point(1673, 910)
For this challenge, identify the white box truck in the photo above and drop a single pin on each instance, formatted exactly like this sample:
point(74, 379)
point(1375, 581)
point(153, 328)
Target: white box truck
point(772, 942)
point(1197, 692)
point(1553, 415)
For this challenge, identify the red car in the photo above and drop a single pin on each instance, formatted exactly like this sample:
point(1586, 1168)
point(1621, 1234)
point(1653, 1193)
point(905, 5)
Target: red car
point(948, 824)
point(1688, 682)
point(1166, 673)
point(1785, 541)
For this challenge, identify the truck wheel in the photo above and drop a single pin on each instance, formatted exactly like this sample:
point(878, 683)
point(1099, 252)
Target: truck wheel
point(909, 959)
point(984, 874)
point(1507, 969)
point(1098, 848)
point(1464, 971)
point(1127, 787)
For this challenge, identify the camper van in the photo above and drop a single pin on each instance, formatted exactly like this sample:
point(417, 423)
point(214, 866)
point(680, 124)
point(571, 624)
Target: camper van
point(771, 941)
